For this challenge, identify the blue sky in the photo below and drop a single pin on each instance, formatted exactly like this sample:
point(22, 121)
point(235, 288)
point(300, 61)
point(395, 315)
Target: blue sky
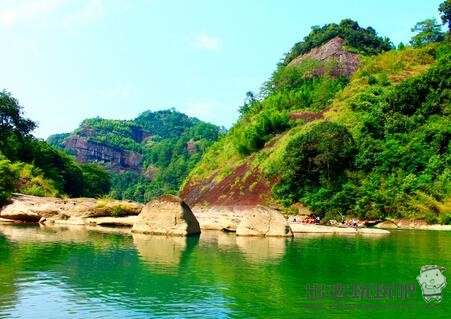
point(67, 60)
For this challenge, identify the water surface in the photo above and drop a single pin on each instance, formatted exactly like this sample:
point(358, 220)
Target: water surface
point(50, 272)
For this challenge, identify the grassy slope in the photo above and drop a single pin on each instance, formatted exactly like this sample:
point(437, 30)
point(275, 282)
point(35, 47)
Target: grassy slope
point(387, 69)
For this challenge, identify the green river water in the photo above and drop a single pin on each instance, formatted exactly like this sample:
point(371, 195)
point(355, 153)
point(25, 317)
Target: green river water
point(50, 272)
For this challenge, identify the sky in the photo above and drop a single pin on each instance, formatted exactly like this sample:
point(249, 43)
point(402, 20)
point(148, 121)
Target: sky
point(67, 60)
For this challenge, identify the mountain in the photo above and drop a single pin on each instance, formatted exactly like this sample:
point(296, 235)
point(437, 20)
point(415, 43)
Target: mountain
point(147, 156)
point(345, 125)
point(31, 166)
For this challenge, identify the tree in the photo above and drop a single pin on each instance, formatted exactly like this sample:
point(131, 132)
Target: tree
point(7, 179)
point(249, 101)
point(11, 117)
point(445, 10)
point(428, 30)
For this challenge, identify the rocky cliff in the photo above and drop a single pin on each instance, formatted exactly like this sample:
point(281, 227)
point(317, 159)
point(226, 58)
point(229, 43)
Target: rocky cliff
point(347, 62)
point(113, 158)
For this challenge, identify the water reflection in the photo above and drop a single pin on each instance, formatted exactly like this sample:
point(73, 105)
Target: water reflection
point(28, 233)
point(260, 249)
point(162, 253)
point(99, 274)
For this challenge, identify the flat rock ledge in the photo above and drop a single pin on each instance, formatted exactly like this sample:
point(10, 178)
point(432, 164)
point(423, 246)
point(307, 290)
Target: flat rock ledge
point(410, 223)
point(73, 211)
point(307, 228)
point(264, 221)
point(167, 215)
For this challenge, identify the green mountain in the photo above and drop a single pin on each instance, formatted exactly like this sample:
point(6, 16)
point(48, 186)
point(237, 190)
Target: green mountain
point(147, 156)
point(31, 166)
point(347, 124)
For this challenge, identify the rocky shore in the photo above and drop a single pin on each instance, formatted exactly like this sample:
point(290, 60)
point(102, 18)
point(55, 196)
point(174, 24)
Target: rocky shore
point(169, 215)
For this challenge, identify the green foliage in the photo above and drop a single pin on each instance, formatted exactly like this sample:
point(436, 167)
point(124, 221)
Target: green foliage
point(361, 40)
point(96, 180)
point(403, 148)
point(36, 167)
point(30, 180)
point(57, 140)
point(7, 180)
point(166, 123)
point(166, 163)
point(11, 118)
point(307, 86)
point(313, 160)
point(429, 31)
point(117, 211)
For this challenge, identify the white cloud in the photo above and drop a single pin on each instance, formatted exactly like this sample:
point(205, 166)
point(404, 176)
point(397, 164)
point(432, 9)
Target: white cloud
point(207, 42)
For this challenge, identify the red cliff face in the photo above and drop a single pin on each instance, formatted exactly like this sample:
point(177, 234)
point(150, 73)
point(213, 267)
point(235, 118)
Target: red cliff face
point(243, 187)
point(112, 158)
point(333, 51)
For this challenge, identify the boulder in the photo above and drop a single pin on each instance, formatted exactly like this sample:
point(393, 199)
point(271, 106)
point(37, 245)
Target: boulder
point(264, 221)
point(77, 211)
point(386, 224)
point(167, 215)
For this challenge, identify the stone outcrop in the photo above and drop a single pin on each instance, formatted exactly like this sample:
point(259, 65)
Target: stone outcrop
point(264, 221)
point(113, 158)
point(167, 215)
point(219, 217)
point(78, 211)
point(405, 223)
point(333, 50)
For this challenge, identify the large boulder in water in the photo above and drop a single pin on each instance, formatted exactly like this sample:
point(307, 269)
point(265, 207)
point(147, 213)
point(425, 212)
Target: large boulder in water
point(167, 215)
point(264, 221)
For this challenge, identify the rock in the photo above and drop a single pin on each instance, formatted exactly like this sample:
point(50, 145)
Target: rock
point(218, 217)
point(24, 216)
point(320, 229)
point(167, 215)
point(386, 224)
point(264, 221)
point(127, 221)
point(77, 211)
point(348, 62)
point(87, 151)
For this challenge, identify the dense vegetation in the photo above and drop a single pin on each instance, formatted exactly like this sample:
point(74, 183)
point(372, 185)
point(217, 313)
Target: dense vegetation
point(373, 146)
point(360, 40)
point(161, 138)
point(31, 166)
point(395, 163)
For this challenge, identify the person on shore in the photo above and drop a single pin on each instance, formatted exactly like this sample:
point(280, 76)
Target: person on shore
point(343, 220)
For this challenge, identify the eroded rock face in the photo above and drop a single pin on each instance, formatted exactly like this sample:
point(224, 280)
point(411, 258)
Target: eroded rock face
point(333, 50)
point(167, 215)
point(264, 221)
point(115, 158)
point(78, 211)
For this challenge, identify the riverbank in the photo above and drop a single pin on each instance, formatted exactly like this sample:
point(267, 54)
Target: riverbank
point(309, 228)
point(107, 212)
